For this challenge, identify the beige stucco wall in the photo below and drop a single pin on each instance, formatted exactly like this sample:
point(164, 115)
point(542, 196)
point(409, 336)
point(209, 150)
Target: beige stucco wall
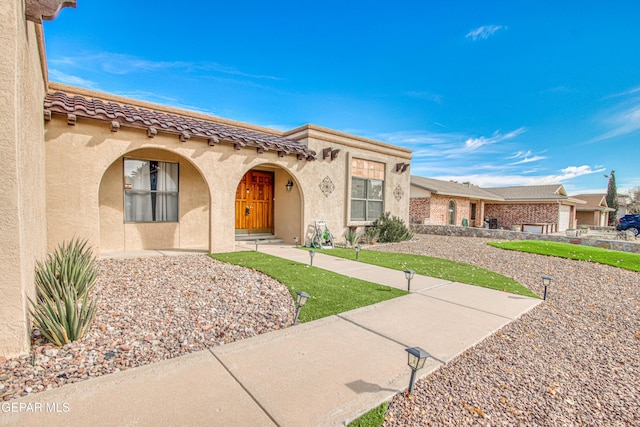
point(88, 202)
point(22, 210)
point(335, 207)
point(190, 232)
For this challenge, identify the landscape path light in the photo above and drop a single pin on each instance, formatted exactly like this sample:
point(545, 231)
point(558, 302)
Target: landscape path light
point(416, 358)
point(301, 301)
point(546, 281)
point(312, 253)
point(257, 243)
point(357, 248)
point(409, 275)
point(295, 239)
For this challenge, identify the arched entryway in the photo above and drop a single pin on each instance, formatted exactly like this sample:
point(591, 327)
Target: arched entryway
point(153, 198)
point(268, 201)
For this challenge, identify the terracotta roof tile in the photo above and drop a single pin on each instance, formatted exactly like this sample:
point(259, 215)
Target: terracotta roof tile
point(128, 115)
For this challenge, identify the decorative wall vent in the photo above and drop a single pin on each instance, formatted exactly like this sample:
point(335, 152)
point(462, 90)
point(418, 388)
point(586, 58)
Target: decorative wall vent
point(398, 193)
point(327, 186)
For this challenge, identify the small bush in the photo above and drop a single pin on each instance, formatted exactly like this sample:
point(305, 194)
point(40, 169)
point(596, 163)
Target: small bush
point(370, 234)
point(351, 236)
point(63, 311)
point(391, 229)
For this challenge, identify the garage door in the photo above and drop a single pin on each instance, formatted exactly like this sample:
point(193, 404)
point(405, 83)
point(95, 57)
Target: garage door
point(564, 217)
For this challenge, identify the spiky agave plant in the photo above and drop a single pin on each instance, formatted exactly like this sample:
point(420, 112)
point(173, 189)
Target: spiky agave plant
point(63, 310)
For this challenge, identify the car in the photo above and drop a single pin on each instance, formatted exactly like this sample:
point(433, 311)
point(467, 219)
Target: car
point(629, 222)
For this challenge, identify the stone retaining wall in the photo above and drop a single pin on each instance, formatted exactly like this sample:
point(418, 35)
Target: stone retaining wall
point(447, 230)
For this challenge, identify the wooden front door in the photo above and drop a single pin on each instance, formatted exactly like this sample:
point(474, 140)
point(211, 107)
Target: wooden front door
point(254, 203)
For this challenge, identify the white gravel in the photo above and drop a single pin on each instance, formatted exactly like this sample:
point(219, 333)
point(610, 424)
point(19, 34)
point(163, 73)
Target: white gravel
point(574, 360)
point(150, 309)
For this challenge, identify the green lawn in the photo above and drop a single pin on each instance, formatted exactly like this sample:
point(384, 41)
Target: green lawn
point(626, 260)
point(373, 418)
point(436, 267)
point(331, 293)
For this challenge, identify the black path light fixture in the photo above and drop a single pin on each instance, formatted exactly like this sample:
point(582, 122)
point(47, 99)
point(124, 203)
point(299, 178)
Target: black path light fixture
point(357, 248)
point(289, 185)
point(312, 253)
point(295, 239)
point(416, 358)
point(257, 243)
point(409, 275)
point(301, 301)
point(546, 281)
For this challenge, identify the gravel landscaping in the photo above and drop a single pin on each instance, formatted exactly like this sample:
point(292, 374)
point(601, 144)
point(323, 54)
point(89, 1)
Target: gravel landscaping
point(151, 309)
point(574, 360)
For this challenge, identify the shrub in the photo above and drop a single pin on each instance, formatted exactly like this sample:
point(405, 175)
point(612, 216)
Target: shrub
point(391, 229)
point(63, 310)
point(351, 236)
point(370, 234)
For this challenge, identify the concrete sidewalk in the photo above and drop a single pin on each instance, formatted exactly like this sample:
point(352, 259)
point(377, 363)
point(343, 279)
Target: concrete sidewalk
point(322, 373)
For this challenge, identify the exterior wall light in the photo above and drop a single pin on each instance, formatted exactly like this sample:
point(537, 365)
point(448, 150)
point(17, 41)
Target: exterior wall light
point(289, 185)
point(357, 248)
point(416, 358)
point(301, 301)
point(312, 253)
point(409, 275)
point(546, 281)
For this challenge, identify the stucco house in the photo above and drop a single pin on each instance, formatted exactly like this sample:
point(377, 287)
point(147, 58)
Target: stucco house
point(534, 208)
point(129, 175)
point(595, 212)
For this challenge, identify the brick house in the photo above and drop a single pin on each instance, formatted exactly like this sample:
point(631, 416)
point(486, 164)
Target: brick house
point(536, 208)
point(438, 202)
point(595, 212)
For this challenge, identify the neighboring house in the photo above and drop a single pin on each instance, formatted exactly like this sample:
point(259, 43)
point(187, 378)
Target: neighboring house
point(595, 212)
point(537, 208)
point(129, 175)
point(439, 202)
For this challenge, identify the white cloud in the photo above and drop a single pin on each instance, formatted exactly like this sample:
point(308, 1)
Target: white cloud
point(61, 77)
point(474, 144)
point(484, 32)
point(121, 64)
point(502, 180)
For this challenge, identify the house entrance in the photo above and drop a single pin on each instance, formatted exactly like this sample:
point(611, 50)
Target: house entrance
point(254, 203)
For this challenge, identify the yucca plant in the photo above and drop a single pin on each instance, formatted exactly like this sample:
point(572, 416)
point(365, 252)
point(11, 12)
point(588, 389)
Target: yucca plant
point(71, 264)
point(351, 236)
point(63, 310)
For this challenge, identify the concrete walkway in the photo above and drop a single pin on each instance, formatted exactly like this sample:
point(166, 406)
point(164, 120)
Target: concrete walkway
point(322, 373)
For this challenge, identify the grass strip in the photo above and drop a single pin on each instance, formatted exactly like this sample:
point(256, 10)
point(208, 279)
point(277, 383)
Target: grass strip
point(331, 293)
point(435, 267)
point(626, 260)
point(373, 418)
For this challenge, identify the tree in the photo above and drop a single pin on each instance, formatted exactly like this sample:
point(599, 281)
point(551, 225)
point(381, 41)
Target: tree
point(612, 197)
point(633, 202)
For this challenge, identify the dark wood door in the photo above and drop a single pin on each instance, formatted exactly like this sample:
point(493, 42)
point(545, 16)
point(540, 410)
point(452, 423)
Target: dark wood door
point(254, 203)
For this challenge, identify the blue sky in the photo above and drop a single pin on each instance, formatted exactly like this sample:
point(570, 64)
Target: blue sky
point(492, 92)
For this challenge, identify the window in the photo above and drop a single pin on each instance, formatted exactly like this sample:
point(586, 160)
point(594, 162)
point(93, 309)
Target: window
point(367, 190)
point(150, 191)
point(452, 212)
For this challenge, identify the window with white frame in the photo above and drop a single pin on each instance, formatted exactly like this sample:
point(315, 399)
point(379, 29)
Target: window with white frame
point(150, 191)
point(367, 190)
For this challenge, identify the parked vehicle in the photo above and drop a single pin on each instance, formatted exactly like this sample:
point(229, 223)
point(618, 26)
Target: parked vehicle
point(629, 222)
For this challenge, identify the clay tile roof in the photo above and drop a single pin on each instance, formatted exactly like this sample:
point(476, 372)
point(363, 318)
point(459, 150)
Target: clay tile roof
point(128, 115)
